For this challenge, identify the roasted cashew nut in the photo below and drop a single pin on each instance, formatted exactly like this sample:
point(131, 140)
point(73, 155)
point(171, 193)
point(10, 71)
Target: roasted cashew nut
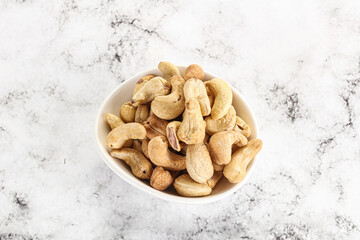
point(140, 166)
point(161, 179)
point(161, 156)
point(223, 97)
point(221, 144)
point(127, 112)
point(242, 126)
point(156, 86)
point(172, 105)
point(235, 171)
point(227, 122)
point(171, 134)
point(195, 88)
point(192, 128)
point(118, 136)
point(186, 186)
point(142, 113)
point(142, 82)
point(113, 121)
point(168, 70)
point(214, 179)
point(198, 163)
point(194, 71)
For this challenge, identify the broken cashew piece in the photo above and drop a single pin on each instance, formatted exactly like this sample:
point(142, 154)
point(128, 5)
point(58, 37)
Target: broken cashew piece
point(168, 70)
point(227, 122)
point(214, 179)
point(223, 97)
point(142, 82)
point(127, 112)
point(198, 163)
point(161, 156)
point(140, 166)
point(242, 126)
point(156, 86)
point(235, 171)
point(172, 105)
point(187, 187)
point(195, 88)
point(142, 113)
point(194, 71)
point(171, 134)
point(221, 144)
point(192, 128)
point(118, 136)
point(113, 120)
point(161, 179)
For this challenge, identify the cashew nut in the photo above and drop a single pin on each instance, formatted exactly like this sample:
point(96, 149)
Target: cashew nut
point(195, 88)
point(118, 136)
point(141, 83)
point(227, 122)
point(192, 128)
point(155, 126)
point(214, 179)
point(156, 86)
point(235, 171)
point(150, 131)
point(137, 145)
point(144, 147)
point(242, 126)
point(142, 113)
point(140, 166)
point(172, 105)
point(198, 163)
point(221, 143)
point(171, 134)
point(161, 179)
point(194, 71)
point(168, 70)
point(161, 156)
point(223, 97)
point(185, 186)
point(127, 112)
point(113, 121)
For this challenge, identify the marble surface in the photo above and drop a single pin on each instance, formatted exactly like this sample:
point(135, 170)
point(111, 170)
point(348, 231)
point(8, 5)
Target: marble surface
point(297, 64)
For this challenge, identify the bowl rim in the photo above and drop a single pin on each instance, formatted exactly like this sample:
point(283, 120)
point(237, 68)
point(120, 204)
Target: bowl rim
point(162, 195)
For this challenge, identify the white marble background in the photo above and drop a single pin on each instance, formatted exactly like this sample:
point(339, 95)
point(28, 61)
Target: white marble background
point(297, 63)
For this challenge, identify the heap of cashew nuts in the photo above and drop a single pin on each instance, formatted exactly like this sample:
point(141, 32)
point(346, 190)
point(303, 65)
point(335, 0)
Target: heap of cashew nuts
point(182, 130)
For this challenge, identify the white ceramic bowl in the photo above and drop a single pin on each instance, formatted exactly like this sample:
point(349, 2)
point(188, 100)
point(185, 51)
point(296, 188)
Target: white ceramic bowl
point(123, 93)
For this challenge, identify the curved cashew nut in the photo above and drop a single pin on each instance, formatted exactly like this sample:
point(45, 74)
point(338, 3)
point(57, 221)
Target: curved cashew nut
point(141, 83)
point(227, 122)
point(192, 128)
point(168, 70)
point(195, 88)
point(214, 179)
point(140, 166)
point(161, 179)
point(223, 97)
point(171, 134)
point(198, 163)
point(235, 171)
point(242, 126)
point(118, 136)
point(172, 105)
point(194, 71)
point(113, 121)
point(142, 113)
point(156, 86)
point(185, 186)
point(144, 147)
point(161, 156)
point(127, 112)
point(221, 143)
